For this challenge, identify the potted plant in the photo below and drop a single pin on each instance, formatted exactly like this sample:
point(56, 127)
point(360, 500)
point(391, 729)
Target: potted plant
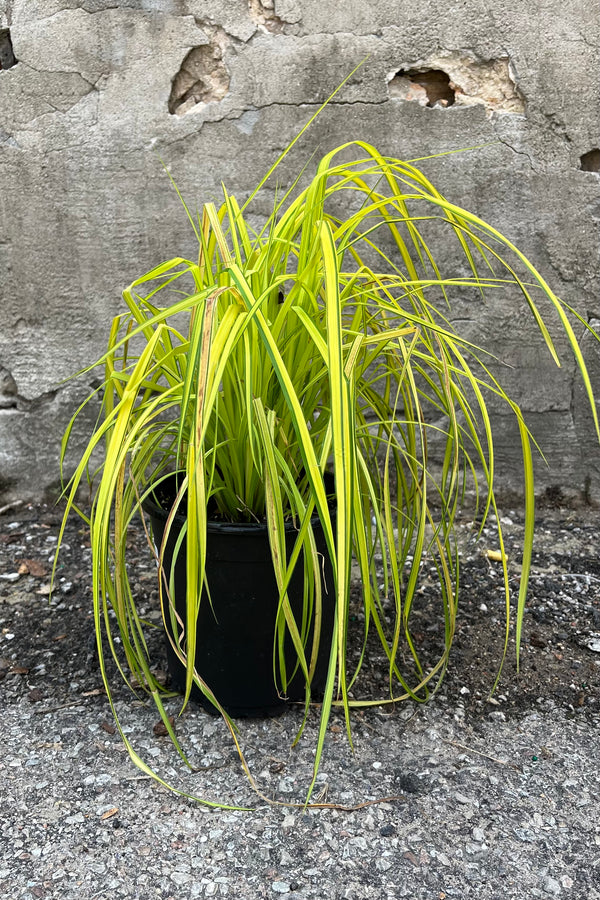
point(288, 382)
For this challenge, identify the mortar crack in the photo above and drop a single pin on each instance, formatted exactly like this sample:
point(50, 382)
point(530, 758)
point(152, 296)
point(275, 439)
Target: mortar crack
point(519, 152)
point(333, 103)
point(28, 65)
point(582, 39)
point(233, 115)
point(88, 12)
point(92, 84)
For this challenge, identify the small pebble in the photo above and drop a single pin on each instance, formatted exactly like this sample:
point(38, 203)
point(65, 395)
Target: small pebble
point(551, 886)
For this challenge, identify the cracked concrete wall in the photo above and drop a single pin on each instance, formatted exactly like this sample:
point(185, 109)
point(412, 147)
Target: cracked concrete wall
point(100, 92)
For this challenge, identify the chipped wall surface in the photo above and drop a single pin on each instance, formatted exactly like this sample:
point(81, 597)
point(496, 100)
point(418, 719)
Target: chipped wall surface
point(95, 95)
point(461, 79)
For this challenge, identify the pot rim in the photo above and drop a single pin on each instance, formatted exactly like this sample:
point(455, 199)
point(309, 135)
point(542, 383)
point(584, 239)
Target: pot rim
point(150, 506)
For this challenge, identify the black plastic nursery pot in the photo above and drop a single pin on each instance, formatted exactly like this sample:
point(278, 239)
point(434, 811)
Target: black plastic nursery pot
point(236, 628)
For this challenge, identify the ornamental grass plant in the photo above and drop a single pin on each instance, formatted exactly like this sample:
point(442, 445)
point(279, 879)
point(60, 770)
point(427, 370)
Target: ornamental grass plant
point(318, 343)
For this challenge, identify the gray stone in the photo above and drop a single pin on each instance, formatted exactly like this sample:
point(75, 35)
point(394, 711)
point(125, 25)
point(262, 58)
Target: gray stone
point(551, 886)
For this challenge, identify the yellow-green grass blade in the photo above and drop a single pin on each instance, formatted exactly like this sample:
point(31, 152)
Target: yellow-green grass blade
point(342, 419)
point(504, 560)
point(278, 545)
point(293, 404)
point(528, 484)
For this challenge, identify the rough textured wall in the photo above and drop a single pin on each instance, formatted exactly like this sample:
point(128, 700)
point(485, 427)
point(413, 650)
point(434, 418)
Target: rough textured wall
point(95, 93)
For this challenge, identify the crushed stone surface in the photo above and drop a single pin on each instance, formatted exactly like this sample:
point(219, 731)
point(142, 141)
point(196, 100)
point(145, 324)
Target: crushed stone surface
point(465, 796)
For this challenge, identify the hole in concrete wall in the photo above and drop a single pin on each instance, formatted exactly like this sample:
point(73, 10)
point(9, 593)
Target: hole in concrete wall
point(263, 13)
point(7, 56)
point(430, 87)
point(459, 78)
point(202, 78)
point(590, 162)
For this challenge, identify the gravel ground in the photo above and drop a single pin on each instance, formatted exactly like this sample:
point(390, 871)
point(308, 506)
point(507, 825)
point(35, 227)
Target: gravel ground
point(463, 797)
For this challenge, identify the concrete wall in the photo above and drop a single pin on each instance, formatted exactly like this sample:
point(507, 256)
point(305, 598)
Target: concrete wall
point(95, 93)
